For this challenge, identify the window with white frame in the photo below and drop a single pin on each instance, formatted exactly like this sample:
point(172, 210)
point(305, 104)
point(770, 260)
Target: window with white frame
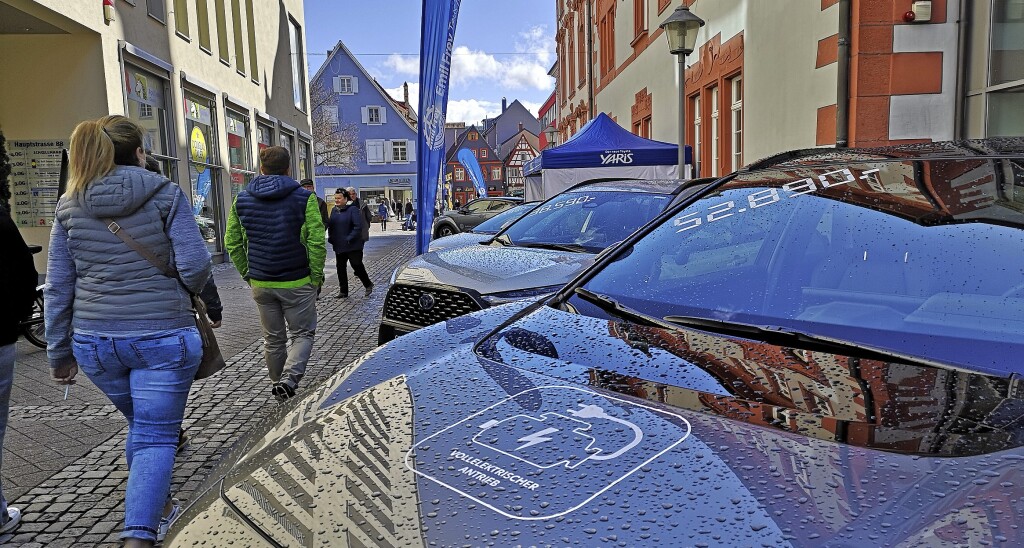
point(400, 152)
point(346, 85)
point(696, 131)
point(460, 174)
point(374, 115)
point(995, 74)
point(495, 173)
point(715, 132)
point(736, 122)
point(375, 151)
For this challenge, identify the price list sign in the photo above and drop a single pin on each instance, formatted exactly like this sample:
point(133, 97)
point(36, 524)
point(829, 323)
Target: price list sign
point(35, 178)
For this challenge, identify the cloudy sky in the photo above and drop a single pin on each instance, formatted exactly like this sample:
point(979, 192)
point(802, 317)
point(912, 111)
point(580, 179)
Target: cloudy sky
point(502, 49)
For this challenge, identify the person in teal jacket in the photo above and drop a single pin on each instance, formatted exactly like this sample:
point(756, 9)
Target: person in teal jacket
point(275, 238)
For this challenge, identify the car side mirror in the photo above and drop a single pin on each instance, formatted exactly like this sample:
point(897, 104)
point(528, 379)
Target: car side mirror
point(463, 211)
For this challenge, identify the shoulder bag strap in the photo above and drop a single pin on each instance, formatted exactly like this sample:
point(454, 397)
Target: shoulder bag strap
point(116, 230)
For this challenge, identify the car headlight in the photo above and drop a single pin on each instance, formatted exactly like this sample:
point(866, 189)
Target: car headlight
point(394, 276)
point(519, 294)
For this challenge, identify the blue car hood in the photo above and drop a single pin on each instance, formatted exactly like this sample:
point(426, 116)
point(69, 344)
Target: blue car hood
point(494, 269)
point(534, 439)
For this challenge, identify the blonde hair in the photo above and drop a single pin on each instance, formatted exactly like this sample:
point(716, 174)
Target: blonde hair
point(98, 145)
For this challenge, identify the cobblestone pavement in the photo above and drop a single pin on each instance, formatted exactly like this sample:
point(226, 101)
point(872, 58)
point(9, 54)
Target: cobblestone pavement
point(63, 461)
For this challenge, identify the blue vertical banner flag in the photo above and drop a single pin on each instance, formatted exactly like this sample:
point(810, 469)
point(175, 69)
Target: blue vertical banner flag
point(467, 159)
point(437, 36)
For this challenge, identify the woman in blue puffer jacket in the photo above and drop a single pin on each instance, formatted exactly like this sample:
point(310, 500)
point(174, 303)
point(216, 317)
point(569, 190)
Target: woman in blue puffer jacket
point(115, 315)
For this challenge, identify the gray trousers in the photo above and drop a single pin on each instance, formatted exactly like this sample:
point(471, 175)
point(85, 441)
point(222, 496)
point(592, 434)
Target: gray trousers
point(287, 313)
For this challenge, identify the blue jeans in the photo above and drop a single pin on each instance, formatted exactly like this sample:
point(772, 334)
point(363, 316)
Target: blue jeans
point(7, 355)
point(147, 378)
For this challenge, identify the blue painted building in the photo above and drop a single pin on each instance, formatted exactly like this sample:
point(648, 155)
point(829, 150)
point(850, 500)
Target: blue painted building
point(386, 166)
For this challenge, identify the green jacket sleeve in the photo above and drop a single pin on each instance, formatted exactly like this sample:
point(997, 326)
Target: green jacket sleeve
point(313, 239)
point(237, 244)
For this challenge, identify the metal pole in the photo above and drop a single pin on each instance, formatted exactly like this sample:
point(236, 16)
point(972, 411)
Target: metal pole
point(682, 114)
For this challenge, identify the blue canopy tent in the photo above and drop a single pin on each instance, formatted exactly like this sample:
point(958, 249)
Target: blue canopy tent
point(601, 149)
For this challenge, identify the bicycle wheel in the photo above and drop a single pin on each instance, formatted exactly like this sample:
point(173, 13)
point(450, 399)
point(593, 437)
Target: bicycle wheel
point(34, 328)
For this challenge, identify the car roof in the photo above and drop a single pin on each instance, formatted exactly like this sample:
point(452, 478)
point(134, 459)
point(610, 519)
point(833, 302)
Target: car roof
point(650, 186)
point(998, 146)
point(503, 198)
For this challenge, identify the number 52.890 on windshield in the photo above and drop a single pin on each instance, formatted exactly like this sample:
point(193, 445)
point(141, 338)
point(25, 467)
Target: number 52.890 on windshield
point(765, 197)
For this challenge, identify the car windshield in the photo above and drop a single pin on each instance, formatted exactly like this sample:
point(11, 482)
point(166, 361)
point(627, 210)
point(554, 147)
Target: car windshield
point(586, 220)
point(503, 219)
point(920, 258)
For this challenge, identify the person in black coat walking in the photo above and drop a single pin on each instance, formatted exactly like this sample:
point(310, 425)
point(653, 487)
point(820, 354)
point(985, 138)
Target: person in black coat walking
point(18, 277)
point(344, 233)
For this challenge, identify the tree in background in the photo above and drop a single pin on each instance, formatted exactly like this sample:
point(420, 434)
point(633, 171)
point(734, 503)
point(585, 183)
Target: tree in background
point(336, 143)
point(5, 172)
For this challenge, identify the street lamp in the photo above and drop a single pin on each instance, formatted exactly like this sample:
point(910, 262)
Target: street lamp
point(549, 135)
point(681, 29)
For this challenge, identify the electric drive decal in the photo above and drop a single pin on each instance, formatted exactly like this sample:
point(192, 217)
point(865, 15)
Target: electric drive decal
point(548, 461)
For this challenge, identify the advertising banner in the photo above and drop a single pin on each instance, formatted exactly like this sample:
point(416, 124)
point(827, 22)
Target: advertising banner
point(467, 159)
point(437, 35)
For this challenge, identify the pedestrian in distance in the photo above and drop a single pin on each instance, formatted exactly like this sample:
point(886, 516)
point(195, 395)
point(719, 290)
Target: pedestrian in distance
point(308, 185)
point(382, 211)
point(18, 277)
point(408, 208)
point(364, 208)
point(275, 238)
point(345, 234)
point(117, 316)
point(209, 295)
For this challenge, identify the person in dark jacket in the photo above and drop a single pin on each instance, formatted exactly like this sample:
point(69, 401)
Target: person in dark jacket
point(18, 277)
point(382, 211)
point(353, 196)
point(275, 238)
point(345, 234)
point(408, 209)
point(308, 185)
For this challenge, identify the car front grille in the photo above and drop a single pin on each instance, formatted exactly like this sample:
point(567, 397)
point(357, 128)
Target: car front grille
point(408, 304)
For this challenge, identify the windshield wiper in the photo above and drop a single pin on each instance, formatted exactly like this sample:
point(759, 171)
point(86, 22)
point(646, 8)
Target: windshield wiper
point(575, 248)
point(500, 238)
point(608, 304)
point(789, 337)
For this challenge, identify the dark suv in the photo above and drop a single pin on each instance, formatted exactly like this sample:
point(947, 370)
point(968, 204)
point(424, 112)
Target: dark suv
point(468, 216)
point(821, 351)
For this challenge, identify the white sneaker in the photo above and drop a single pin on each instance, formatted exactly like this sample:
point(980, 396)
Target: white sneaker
point(165, 522)
point(13, 519)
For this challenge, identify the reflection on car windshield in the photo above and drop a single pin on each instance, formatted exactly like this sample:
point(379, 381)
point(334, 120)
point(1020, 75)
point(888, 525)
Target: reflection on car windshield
point(591, 220)
point(503, 219)
point(856, 254)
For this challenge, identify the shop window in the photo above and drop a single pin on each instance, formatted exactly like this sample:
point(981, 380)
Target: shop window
point(239, 159)
point(146, 95)
point(302, 161)
point(264, 136)
point(204, 168)
point(697, 135)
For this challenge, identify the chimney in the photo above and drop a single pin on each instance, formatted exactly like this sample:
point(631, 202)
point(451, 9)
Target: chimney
point(405, 91)
point(504, 104)
point(520, 126)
